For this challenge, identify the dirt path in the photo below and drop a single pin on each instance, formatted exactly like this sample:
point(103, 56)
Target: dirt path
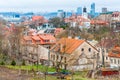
point(10, 74)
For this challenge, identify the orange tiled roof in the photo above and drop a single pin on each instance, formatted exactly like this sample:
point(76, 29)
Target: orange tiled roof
point(34, 18)
point(46, 37)
point(114, 55)
point(100, 22)
point(35, 37)
point(115, 52)
point(67, 45)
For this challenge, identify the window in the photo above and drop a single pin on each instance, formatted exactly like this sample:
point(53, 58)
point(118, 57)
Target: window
point(53, 57)
point(46, 40)
point(118, 61)
point(115, 61)
point(89, 49)
point(61, 57)
point(57, 57)
point(111, 60)
point(106, 58)
point(82, 49)
point(65, 59)
point(103, 50)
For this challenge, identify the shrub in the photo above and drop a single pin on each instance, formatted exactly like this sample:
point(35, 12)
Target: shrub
point(13, 63)
point(2, 63)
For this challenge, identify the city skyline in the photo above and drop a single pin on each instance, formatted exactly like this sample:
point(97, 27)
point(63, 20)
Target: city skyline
point(54, 5)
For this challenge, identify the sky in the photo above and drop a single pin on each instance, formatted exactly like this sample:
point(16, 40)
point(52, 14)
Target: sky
point(54, 5)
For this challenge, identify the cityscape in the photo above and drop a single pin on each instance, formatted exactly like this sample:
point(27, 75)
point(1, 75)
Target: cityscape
point(60, 40)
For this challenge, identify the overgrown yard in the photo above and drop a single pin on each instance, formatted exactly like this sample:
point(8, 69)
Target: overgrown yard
point(29, 73)
point(30, 68)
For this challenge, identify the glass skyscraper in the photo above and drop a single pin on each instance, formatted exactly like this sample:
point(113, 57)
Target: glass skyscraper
point(92, 12)
point(79, 11)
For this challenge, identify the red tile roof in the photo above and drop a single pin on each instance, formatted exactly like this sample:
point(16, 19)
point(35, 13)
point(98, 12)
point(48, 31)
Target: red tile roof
point(67, 45)
point(43, 38)
point(77, 19)
point(115, 52)
point(46, 37)
point(35, 18)
point(35, 37)
point(99, 22)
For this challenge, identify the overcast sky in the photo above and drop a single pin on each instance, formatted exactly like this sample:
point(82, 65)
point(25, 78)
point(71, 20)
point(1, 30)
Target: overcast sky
point(54, 5)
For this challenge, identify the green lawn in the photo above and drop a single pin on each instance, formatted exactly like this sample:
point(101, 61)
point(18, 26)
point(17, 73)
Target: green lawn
point(31, 67)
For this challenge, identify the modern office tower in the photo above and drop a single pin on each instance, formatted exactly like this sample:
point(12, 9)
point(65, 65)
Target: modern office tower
point(79, 11)
point(104, 10)
point(85, 14)
point(92, 12)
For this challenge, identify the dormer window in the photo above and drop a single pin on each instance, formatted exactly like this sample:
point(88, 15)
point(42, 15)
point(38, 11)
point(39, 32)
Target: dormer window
point(46, 40)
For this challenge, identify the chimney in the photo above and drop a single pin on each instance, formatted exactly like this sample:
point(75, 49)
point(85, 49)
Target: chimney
point(69, 37)
point(76, 37)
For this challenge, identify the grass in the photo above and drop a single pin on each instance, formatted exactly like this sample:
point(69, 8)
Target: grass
point(33, 67)
point(77, 76)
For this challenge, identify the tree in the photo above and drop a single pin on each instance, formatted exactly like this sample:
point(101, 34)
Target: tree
point(57, 22)
point(15, 41)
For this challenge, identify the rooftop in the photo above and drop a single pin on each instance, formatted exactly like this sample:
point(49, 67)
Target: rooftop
point(67, 45)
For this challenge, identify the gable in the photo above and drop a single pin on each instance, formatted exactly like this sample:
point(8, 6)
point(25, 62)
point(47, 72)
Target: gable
point(66, 45)
point(86, 48)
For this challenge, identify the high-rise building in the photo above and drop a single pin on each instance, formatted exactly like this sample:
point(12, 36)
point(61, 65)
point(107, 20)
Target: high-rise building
point(104, 10)
point(92, 12)
point(85, 15)
point(84, 10)
point(79, 11)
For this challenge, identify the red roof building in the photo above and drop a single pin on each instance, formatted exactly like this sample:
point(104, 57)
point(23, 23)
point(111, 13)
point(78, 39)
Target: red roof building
point(43, 39)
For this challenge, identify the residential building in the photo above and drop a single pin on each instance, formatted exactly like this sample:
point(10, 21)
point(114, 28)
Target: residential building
point(96, 24)
point(74, 54)
point(105, 17)
point(114, 57)
point(104, 47)
point(38, 20)
point(78, 21)
point(34, 54)
point(45, 40)
point(115, 21)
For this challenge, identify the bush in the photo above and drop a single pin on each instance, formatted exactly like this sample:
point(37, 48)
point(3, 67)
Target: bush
point(13, 63)
point(23, 62)
point(2, 63)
